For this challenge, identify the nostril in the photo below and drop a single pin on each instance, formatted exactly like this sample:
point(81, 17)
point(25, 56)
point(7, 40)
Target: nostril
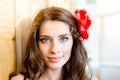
point(54, 52)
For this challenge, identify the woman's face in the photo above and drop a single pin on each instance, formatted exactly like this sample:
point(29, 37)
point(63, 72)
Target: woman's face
point(55, 43)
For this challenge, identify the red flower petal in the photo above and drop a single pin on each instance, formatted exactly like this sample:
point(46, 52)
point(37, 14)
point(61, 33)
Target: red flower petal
point(87, 25)
point(82, 14)
point(84, 34)
point(83, 22)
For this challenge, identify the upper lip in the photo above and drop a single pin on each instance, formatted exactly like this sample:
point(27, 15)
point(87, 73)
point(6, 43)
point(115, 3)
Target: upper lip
point(54, 57)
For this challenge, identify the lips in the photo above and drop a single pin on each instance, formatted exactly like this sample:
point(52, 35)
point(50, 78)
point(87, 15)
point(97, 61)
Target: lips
point(54, 59)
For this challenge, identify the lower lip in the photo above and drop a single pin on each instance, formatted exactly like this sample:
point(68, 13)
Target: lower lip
point(55, 59)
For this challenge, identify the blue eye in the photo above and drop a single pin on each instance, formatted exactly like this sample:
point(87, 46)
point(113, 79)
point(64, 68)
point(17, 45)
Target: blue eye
point(45, 40)
point(63, 39)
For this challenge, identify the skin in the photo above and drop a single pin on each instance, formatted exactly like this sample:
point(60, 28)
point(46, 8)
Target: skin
point(55, 40)
point(55, 44)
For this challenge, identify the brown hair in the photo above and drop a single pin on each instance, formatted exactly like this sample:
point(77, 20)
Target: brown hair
point(74, 69)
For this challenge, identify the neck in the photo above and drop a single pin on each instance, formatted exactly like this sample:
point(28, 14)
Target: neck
point(52, 74)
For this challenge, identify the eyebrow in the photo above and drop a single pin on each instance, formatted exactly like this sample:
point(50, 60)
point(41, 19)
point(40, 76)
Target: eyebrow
point(65, 35)
point(59, 35)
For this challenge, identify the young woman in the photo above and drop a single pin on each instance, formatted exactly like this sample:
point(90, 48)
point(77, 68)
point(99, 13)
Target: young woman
point(54, 48)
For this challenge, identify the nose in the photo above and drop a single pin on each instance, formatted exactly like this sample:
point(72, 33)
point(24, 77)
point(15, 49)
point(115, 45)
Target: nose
point(55, 47)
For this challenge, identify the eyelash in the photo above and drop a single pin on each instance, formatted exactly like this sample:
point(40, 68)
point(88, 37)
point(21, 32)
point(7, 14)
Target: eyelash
point(63, 39)
point(46, 40)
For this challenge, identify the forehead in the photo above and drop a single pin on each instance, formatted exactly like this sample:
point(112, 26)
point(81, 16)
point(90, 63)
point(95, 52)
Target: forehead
point(54, 28)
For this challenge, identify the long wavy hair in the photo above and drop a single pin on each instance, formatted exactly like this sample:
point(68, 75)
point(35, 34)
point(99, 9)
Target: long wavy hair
point(75, 68)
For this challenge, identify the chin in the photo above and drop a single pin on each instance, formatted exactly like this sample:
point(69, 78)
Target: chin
point(55, 66)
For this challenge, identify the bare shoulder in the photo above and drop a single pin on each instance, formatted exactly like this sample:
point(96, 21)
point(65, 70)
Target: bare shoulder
point(18, 77)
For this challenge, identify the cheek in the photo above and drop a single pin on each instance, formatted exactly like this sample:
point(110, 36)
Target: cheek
point(67, 52)
point(43, 49)
point(67, 48)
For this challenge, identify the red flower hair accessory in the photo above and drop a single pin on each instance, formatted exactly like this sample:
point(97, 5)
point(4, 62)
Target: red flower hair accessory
point(83, 23)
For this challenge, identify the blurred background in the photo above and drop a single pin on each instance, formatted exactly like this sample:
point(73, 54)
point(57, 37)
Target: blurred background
point(103, 45)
